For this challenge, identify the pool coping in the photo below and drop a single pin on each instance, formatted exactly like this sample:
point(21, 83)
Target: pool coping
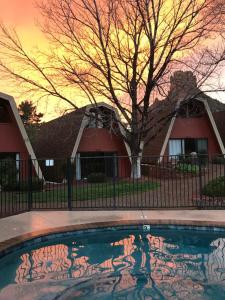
point(16, 241)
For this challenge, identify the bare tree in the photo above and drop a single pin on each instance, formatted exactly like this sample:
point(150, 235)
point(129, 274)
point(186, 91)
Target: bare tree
point(120, 51)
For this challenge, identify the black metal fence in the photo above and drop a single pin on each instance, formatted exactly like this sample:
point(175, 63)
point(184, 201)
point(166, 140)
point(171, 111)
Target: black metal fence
point(109, 182)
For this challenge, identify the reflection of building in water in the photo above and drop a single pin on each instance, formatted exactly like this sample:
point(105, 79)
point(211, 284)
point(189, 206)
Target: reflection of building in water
point(215, 264)
point(40, 263)
point(149, 262)
point(186, 272)
point(59, 262)
point(23, 271)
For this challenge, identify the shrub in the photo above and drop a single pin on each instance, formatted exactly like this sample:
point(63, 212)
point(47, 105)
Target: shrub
point(200, 158)
point(97, 177)
point(219, 159)
point(188, 168)
point(36, 185)
point(215, 187)
point(8, 172)
point(186, 159)
point(203, 157)
point(63, 169)
point(23, 186)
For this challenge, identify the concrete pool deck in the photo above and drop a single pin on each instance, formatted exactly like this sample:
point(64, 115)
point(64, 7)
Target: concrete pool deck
point(15, 229)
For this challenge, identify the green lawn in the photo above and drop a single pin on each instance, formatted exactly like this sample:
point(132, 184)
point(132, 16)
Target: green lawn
point(107, 190)
point(81, 192)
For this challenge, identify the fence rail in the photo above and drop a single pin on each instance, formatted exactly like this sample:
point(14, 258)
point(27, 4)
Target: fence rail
point(107, 182)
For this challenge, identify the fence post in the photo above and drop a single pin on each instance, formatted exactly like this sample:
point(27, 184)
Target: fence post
point(224, 166)
point(30, 192)
point(200, 183)
point(114, 180)
point(69, 183)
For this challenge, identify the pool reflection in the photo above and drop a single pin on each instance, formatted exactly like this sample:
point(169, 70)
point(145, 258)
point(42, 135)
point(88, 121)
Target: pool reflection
point(154, 265)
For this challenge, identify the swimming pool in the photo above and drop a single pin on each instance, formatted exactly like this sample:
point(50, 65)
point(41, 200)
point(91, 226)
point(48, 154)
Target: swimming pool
point(133, 262)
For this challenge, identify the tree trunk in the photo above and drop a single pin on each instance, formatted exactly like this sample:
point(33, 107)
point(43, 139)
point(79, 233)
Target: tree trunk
point(136, 162)
point(136, 167)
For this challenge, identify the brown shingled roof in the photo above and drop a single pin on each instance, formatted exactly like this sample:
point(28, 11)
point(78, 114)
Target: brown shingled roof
point(159, 121)
point(56, 139)
point(215, 105)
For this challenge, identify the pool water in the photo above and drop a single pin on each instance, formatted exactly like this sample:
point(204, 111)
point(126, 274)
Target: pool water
point(129, 263)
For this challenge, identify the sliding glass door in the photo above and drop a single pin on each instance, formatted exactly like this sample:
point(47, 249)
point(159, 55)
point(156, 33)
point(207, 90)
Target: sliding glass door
point(187, 146)
point(176, 147)
point(202, 146)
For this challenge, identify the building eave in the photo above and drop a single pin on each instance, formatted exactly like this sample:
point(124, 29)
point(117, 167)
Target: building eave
point(23, 132)
point(85, 121)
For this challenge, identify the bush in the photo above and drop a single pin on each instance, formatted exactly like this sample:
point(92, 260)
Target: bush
point(203, 158)
point(97, 177)
point(8, 172)
point(215, 187)
point(186, 159)
point(219, 159)
point(188, 168)
point(23, 186)
point(64, 169)
point(200, 158)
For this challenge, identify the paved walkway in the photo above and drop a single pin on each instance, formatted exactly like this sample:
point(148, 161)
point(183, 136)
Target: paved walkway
point(32, 224)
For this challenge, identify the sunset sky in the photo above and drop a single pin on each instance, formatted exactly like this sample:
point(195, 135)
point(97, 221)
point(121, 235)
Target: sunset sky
point(18, 12)
point(23, 15)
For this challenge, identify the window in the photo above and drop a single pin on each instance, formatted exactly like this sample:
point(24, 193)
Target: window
point(202, 145)
point(100, 118)
point(190, 145)
point(92, 121)
point(95, 120)
point(187, 146)
point(193, 108)
point(176, 147)
point(49, 162)
point(196, 145)
point(8, 155)
point(4, 114)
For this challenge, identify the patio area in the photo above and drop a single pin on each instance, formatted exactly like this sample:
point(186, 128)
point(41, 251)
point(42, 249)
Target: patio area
point(18, 228)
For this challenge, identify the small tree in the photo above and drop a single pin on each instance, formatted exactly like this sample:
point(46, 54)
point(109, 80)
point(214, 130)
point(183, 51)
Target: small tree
point(28, 113)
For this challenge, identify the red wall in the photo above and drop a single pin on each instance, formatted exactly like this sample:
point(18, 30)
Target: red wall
point(101, 140)
point(11, 139)
point(196, 128)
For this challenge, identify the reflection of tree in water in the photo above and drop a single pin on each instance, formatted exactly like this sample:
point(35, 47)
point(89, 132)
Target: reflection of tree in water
point(159, 265)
